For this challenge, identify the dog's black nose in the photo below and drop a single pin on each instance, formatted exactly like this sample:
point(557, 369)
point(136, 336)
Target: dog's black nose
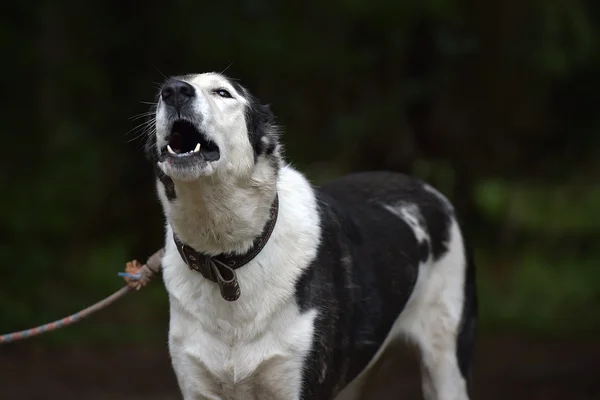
point(176, 93)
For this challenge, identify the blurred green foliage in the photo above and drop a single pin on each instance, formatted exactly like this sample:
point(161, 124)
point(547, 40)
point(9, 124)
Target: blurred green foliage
point(493, 102)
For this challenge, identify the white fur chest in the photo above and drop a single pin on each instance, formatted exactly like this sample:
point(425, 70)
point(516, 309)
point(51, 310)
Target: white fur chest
point(253, 348)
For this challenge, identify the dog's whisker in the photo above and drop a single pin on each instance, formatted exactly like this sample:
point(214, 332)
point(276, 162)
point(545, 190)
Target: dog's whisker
point(159, 71)
point(136, 138)
point(143, 128)
point(149, 133)
point(142, 115)
point(143, 124)
point(144, 133)
point(226, 68)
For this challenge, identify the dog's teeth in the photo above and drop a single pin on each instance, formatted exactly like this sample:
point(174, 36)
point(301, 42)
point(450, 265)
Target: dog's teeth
point(170, 149)
point(197, 149)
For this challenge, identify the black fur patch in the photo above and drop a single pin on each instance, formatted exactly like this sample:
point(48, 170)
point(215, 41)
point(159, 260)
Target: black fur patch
point(270, 149)
point(364, 272)
point(260, 122)
point(168, 184)
point(238, 88)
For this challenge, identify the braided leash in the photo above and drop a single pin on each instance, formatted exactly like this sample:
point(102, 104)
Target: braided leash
point(136, 275)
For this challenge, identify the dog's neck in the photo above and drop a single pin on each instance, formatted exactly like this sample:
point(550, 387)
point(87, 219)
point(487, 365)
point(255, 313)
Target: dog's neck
point(216, 216)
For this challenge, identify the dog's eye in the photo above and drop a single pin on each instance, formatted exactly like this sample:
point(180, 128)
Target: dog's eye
point(223, 93)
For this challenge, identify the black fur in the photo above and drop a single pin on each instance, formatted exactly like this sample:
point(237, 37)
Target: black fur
point(167, 183)
point(365, 270)
point(260, 122)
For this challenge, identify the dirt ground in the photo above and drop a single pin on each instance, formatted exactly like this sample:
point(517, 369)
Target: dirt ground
point(506, 368)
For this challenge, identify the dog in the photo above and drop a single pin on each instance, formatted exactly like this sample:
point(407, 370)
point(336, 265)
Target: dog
point(281, 290)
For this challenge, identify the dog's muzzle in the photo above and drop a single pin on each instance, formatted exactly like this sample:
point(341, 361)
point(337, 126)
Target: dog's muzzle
point(186, 145)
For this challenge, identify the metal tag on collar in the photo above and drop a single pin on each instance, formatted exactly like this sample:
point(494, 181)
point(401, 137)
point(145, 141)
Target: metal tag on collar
point(226, 279)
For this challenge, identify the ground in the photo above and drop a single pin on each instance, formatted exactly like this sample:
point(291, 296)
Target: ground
point(506, 368)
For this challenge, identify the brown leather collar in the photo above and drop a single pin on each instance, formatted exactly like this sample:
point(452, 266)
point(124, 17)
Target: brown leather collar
point(221, 268)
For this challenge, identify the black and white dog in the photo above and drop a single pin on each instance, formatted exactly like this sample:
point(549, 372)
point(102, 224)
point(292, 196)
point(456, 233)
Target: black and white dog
point(279, 290)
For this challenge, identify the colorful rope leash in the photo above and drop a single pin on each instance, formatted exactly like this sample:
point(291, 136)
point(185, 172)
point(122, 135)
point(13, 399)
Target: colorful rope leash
point(136, 275)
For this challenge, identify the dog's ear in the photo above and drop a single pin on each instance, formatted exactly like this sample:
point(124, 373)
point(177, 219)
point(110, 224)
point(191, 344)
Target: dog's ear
point(267, 112)
point(262, 130)
point(271, 138)
point(267, 119)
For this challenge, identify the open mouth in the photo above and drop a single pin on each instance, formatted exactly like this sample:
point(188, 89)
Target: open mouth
point(186, 142)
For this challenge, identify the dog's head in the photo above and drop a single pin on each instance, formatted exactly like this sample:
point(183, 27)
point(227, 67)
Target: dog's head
point(210, 126)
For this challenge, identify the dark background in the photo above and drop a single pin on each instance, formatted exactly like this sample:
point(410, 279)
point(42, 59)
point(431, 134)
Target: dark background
point(494, 102)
